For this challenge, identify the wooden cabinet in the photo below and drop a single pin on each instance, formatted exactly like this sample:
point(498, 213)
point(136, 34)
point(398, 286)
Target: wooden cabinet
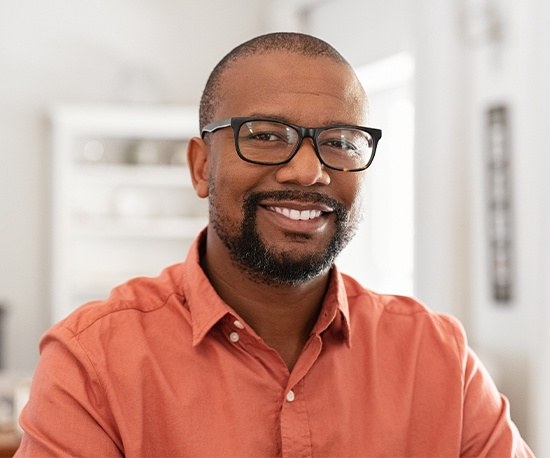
point(9, 442)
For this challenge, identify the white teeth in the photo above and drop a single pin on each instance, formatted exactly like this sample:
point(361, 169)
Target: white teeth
point(297, 214)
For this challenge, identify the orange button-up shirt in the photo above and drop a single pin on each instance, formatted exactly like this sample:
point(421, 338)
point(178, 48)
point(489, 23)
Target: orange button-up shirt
point(164, 367)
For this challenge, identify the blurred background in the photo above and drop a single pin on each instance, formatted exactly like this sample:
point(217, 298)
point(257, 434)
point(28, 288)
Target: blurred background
point(98, 97)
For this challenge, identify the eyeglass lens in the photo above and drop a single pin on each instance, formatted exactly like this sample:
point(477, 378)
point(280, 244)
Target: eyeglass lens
point(271, 142)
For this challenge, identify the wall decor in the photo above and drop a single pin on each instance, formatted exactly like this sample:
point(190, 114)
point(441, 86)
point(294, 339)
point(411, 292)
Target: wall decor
point(499, 193)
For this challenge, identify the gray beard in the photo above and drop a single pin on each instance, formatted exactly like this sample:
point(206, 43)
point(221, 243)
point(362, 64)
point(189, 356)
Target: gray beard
point(266, 266)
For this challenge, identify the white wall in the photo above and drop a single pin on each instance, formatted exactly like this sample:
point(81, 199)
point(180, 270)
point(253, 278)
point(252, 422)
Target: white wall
point(512, 72)
point(461, 73)
point(501, 73)
point(540, 353)
point(85, 51)
point(363, 31)
point(458, 76)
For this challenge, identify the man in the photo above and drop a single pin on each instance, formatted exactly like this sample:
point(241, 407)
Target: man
point(257, 345)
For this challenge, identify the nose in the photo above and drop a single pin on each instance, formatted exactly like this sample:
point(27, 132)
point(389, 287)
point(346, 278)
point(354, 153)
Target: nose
point(305, 168)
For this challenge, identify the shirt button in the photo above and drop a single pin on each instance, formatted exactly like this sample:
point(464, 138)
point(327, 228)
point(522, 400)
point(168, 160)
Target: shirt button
point(238, 324)
point(234, 337)
point(290, 396)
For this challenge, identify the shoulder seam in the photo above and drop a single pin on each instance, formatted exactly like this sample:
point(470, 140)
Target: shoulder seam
point(120, 308)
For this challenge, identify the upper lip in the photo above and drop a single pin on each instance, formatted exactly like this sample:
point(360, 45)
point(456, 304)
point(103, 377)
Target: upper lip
point(298, 205)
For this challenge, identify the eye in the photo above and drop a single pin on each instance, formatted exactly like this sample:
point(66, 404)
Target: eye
point(264, 137)
point(267, 133)
point(340, 143)
point(345, 141)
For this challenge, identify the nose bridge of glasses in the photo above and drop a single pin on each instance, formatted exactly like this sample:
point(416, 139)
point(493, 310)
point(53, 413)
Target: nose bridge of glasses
point(304, 166)
point(299, 155)
point(309, 134)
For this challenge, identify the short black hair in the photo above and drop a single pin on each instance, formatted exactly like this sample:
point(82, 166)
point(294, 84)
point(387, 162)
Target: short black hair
point(298, 43)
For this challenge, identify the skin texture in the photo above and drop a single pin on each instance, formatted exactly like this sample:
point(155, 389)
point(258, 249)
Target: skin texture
point(304, 90)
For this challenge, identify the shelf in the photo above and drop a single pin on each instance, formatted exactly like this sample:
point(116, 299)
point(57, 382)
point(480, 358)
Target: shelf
point(140, 228)
point(127, 121)
point(123, 203)
point(132, 175)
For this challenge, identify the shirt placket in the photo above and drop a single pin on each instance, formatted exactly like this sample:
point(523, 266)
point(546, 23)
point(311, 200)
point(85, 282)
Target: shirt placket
point(294, 423)
point(295, 429)
point(294, 419)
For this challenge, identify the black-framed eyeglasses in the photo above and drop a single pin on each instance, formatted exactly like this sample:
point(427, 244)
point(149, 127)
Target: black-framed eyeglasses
point(267, 141)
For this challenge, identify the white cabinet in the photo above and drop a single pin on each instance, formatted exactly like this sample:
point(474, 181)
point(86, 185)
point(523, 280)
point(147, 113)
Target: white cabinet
point(122, 200)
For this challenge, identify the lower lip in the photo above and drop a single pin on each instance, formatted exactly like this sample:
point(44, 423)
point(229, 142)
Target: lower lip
point(292, 225)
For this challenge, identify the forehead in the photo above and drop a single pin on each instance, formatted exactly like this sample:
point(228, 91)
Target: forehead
point(303, 89)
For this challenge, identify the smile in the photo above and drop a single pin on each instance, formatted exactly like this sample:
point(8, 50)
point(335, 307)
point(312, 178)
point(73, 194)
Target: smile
point(297, 215)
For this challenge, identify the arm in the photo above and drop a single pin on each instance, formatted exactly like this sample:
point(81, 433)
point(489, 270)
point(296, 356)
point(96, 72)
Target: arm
point(488, 430)
point(68, 412)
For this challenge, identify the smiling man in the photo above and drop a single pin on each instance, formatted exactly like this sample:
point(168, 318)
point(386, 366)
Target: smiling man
point(257, 345)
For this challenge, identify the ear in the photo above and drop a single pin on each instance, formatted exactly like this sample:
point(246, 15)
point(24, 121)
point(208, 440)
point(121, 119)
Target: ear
point(197, 158)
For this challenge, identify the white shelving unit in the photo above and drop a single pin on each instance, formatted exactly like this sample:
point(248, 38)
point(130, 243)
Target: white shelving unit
point(122, 200)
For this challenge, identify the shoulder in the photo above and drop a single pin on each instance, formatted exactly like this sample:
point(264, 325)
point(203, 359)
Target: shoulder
point(137, 299)
point(403, 319)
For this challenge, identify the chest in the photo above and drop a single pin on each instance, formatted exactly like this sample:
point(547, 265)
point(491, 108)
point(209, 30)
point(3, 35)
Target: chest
point(235, 396)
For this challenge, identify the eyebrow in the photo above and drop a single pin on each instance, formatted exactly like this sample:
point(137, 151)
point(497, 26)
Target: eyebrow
point(289, 121)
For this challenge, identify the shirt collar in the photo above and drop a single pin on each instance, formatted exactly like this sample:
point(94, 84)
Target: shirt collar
point(207, 308)
point(335, 310)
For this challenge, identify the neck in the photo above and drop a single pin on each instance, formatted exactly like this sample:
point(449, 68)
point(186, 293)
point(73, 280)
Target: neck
point(282, 315)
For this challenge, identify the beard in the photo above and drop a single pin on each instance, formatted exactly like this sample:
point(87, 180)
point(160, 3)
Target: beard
point(265, 265)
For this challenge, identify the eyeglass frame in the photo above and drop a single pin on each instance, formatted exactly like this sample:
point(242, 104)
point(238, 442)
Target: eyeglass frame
point(303, 132)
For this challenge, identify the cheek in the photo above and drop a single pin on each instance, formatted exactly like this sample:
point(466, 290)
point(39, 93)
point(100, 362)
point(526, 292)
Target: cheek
point(352, 195)
point(222, 170)
point(350, 188)
point(230, 181)
point(234, 178)
point(359, 191)
point(228, 184)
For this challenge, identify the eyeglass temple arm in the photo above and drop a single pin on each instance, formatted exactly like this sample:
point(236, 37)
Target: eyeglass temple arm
point(213, 126)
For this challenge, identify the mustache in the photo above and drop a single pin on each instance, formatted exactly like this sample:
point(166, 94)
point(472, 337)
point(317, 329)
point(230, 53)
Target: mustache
point(254, 198)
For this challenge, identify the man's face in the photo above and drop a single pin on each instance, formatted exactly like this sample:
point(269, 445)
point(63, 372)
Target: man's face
point(284, 224)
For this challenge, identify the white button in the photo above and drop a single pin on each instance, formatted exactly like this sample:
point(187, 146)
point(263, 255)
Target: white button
point(238, 324)
point(290, 396)
point(234, 337)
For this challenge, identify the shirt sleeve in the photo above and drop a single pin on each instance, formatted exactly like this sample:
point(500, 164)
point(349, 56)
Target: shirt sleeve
point(488, 430)
point(67, 413)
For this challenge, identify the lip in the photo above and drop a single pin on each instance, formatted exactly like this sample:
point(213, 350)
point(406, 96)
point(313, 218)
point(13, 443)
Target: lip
point(296, 216)
point(298, 205)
